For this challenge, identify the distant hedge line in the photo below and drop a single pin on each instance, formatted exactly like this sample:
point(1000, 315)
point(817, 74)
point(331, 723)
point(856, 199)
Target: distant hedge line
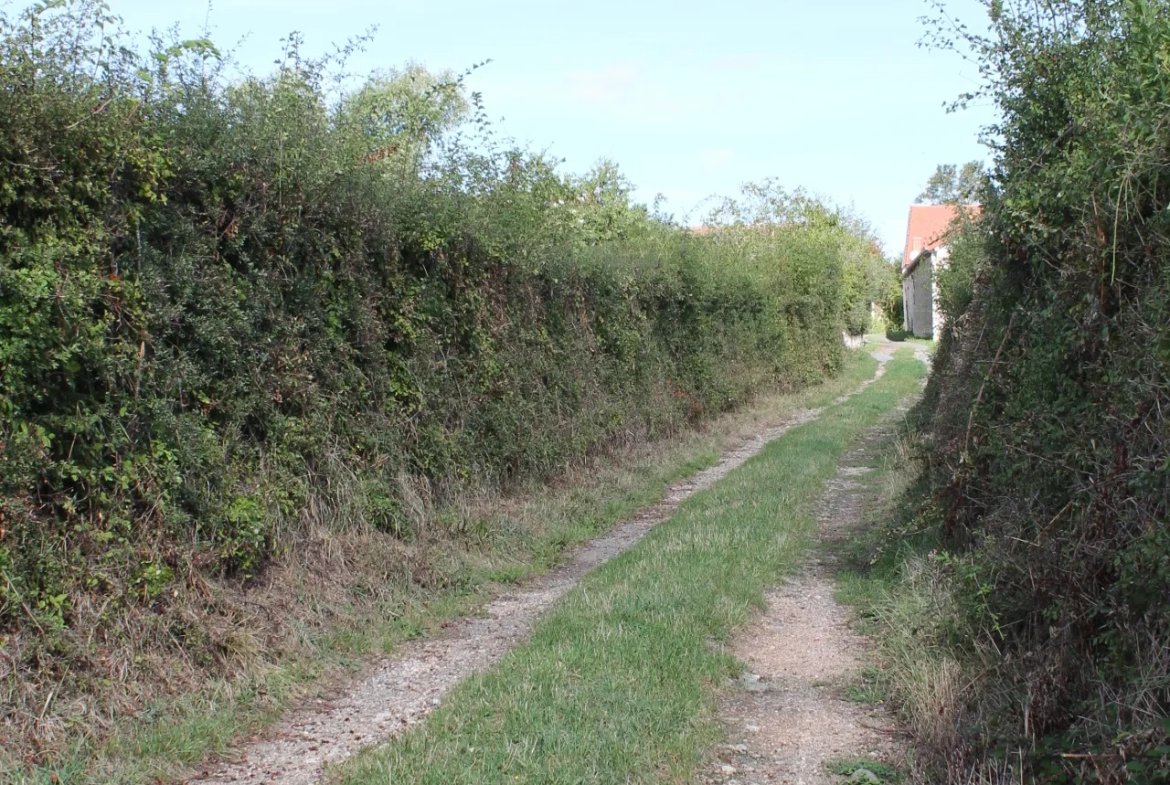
point(233, 307)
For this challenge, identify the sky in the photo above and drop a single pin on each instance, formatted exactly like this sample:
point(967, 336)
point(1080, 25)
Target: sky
point(690, 99)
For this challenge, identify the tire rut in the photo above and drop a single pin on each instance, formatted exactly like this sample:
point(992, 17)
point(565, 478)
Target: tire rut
point(405, 687)
point(790, 718)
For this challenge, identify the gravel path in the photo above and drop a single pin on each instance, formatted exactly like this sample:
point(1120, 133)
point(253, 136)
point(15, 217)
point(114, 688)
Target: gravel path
point(404, 688)
point(790, 718)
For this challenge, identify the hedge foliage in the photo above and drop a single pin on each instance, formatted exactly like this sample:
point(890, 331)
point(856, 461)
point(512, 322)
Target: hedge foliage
point(1051, 448)
point(231, 308)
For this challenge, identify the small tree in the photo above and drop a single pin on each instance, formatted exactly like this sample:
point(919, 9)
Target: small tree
point(951, 184)
point(402, 112)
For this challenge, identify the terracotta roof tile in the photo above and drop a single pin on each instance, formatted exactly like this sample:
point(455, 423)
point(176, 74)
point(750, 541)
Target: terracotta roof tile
point(928, 226)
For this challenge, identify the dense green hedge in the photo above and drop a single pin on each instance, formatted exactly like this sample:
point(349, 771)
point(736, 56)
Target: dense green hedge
point(1051, 448)
point(230, 308)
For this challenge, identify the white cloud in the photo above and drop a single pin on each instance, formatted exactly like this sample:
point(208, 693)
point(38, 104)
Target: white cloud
point(608, 86)
point(716, 160)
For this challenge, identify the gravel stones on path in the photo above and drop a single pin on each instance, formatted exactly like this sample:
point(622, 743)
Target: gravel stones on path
point(401, 690)
point(789, 718)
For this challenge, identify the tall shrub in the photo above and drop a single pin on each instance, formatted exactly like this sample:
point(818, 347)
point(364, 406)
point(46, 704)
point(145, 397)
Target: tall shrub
point(1051, 441)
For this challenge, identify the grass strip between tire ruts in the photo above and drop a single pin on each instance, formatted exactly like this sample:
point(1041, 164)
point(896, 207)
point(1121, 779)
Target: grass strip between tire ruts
point(616, 682)
point(169, 736)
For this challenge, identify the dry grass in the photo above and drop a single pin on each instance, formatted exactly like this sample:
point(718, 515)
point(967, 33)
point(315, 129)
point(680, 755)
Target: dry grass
point(615, 683)
point(905, 593)
point(171, 681)
point(951, 685)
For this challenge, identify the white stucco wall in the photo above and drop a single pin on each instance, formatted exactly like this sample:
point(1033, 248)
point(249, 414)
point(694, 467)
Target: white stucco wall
point(918, 296)
point(907, 302)
point(939, 260)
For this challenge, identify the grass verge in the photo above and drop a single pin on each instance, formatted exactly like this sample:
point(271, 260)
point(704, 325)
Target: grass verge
point(339, 608)
point(903, 588)
point(617, 683)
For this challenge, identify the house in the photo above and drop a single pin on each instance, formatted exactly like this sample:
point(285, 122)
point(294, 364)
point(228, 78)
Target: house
point(926, 251)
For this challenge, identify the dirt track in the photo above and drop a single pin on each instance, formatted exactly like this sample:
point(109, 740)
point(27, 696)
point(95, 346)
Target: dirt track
point(791, 716)
point(404, 688)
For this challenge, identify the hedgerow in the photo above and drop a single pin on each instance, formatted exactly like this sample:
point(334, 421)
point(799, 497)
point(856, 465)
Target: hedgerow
point(1049, 454)
point(234, 309)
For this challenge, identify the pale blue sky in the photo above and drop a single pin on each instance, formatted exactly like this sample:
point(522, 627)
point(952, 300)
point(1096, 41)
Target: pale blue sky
point(691, 99)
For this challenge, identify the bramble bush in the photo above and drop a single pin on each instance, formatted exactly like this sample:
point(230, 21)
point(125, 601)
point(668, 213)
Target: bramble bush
point(235, 308)
point(1048, 405)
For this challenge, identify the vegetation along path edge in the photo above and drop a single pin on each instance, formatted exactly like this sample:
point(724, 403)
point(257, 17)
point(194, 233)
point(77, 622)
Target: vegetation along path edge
point(404, 688)
point(618, 682)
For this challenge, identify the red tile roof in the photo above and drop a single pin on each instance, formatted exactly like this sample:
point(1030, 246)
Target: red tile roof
point(928, 226)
